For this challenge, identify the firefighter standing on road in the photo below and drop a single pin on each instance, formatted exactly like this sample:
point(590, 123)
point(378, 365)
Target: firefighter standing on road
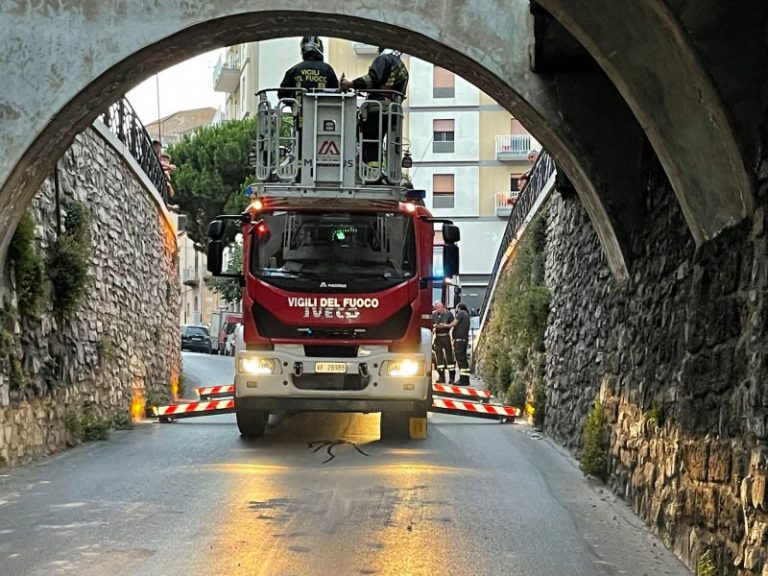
point(387, 72)
point(311, 73)
point(460, 333)
point(442, 320)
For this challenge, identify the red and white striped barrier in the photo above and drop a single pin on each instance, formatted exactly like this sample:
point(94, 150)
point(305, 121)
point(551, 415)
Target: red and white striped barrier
point(215, 391)
point(175, 411)
point(474, 409)
point(461, 392)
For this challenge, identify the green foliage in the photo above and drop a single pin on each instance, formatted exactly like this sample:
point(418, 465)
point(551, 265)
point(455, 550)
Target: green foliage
point(85, 425)
point(107, 350)
point(594, 454)
point(539, 404)
point(122, 420)
point(68, 261)
point(705, 566)
point(230, 288)
point(212, 171)
point(18, 378)
point(28, 268)
point(655, 414)
point(510, 359)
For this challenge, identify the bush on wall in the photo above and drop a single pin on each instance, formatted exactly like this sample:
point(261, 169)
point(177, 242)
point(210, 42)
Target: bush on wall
point(28, 268)
point(67, 262)
point(511, 359)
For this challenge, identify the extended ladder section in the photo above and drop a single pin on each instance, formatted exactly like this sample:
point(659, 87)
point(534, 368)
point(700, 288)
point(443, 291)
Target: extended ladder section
point(315, 142)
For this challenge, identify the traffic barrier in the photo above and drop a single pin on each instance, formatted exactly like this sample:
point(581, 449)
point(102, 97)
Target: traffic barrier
point(474, 409)
point(461, 392)
point(176, 411)
point(211, 392)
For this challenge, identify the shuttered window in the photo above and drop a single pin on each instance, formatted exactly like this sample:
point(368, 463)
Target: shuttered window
point(443, 83)
point(442, 191)
point(442, 136)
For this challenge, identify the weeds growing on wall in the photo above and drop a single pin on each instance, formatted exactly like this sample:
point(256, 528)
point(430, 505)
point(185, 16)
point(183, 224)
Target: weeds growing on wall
point(705, 566)
point(594, 453)
point(67, 262)
point(28, 268)
point(511, 358)
point(85, 425)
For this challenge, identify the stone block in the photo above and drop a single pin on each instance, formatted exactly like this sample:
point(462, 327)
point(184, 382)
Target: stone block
point(720, 462)
point(696, 460)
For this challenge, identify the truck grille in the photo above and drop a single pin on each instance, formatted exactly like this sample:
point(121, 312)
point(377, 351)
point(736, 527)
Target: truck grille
point(392, 328)
point(316, 351)
point(330, 381)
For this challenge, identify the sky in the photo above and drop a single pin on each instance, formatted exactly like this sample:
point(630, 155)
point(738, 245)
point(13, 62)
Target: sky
point(182, 87)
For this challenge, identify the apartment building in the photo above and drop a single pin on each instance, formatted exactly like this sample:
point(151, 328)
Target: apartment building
point(467, 150)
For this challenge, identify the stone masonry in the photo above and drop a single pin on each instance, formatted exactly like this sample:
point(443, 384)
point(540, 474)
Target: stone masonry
point(678, 356)
point(121, 348)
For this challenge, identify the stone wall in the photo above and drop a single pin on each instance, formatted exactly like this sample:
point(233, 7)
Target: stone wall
point(121, 348)
point(679, 359)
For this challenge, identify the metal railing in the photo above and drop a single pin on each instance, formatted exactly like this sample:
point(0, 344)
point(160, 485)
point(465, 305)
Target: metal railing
point(540, 175)
point(121, 119)
point(514, 145)
point(505, 201)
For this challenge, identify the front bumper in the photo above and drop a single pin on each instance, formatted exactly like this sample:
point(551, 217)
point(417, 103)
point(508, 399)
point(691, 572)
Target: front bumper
point(364, 386)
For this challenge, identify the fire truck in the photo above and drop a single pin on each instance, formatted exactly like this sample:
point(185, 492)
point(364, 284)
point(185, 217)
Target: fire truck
point(337, 267)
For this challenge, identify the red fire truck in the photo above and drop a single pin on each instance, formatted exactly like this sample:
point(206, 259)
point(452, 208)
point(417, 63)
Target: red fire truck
point(337, 268)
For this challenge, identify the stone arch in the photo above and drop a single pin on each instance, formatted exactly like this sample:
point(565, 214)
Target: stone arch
point(87, 54)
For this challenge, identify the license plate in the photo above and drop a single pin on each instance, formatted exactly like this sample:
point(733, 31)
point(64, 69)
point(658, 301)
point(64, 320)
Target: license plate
point(330, 367)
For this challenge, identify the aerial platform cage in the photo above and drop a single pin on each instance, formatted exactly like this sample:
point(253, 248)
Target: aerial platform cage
point(316, 141)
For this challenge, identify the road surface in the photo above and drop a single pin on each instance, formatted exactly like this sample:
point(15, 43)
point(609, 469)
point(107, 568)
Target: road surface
point(319, 495)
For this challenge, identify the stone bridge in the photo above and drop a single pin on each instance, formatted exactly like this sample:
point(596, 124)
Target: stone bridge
point(655, 112)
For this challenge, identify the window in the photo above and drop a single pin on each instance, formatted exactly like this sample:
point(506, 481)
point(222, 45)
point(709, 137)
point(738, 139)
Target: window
point(442, 139)
point(442, 191)
point(443, 83)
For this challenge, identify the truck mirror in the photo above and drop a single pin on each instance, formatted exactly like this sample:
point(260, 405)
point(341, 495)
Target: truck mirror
point(450, 260)
point(215, 250)
point(216, 230)
point(451, 233)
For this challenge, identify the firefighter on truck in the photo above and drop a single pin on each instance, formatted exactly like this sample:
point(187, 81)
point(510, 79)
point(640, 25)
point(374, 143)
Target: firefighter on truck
point(337, 268)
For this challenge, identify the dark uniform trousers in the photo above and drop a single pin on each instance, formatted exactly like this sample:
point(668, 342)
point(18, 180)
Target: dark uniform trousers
point(460, 352)
point(444, 357)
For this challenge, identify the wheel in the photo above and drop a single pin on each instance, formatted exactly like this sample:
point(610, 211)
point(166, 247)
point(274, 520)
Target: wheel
point(252, 423)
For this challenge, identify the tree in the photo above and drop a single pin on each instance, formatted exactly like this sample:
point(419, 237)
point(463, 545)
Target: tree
point(212, 171)
point(230, 288)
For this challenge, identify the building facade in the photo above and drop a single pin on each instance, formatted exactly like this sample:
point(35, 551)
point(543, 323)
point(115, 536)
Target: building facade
point(467, 151)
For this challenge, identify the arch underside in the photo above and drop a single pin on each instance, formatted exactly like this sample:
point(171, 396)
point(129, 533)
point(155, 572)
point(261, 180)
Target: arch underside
point(487, 44)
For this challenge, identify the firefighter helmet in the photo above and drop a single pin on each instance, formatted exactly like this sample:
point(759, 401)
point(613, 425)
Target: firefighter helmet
point(311, 44)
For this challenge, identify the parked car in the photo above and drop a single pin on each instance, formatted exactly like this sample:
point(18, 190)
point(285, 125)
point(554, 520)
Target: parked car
point(195, 338)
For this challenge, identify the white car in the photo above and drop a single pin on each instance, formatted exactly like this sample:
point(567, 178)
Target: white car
point(232, 337)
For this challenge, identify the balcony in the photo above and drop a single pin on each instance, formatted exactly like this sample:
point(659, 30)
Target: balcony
point(189, 277)
point(505, 201)
point(226, 74)
point(513, 146)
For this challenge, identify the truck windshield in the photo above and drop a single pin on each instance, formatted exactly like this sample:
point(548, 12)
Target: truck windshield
point(334, 249)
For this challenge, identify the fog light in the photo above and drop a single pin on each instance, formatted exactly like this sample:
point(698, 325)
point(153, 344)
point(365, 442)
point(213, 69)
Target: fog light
point(405, 368)
point(260, 366)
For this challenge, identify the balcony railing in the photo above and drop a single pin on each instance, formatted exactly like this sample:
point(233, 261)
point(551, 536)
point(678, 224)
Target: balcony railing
point(226, 73)
point(525, 205)
point(189, 276)
point(121, 119)
point(505, 201)
point(513, 146)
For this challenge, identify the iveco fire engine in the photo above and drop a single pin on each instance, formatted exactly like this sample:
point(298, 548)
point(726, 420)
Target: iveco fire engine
point(337, 267)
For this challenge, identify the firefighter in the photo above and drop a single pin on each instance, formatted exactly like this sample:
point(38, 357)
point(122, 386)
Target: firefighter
point(460, 333)
point(442, 320)
point(387, 72)
point(311, 73)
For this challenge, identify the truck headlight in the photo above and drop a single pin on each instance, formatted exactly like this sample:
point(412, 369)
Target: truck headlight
point(258, 366)
point(405, 368)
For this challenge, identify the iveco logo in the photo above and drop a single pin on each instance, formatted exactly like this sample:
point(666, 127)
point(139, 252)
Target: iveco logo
point(331, 285)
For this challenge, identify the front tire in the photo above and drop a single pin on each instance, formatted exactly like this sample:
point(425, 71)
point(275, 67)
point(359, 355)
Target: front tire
point(251, 422)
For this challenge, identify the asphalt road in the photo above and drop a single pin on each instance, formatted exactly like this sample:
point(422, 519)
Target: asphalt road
point(319, 495)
